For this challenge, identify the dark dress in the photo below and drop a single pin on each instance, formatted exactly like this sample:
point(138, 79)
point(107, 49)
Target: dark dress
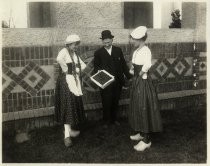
point(68, 107)
point(144, 115)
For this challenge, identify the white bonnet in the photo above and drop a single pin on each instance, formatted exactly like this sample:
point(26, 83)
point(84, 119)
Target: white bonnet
point(139, 32)
point(72, 38)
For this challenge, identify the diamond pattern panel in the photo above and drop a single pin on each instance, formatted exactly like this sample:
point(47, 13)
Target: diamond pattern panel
point(171, 68)
point(32, 78)
point(6, 81)
point(162, 68)
point(179, 68)
point(202, 66)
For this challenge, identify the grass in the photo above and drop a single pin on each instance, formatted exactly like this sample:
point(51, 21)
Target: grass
point(183, 141)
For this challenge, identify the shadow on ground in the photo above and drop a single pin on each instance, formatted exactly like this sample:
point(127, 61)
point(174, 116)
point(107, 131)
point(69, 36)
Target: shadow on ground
point(183, 141)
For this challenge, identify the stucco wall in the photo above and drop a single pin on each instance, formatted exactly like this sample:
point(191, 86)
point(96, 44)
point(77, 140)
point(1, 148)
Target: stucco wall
point(87, 14)
point(89, 36)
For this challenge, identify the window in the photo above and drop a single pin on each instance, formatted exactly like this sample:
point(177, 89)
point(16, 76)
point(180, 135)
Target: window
point(138, 13)
point(39, 14)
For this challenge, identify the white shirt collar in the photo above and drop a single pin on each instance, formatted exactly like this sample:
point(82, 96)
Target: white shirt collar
point(109, 50)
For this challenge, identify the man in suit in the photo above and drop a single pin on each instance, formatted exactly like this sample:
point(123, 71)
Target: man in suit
point(111, 59)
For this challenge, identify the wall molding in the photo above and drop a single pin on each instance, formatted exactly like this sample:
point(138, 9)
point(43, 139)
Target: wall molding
point(56, 36)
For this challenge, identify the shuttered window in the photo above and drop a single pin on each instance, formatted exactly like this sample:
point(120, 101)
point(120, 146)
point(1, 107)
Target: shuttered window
point(138, 13)
point(39, 14)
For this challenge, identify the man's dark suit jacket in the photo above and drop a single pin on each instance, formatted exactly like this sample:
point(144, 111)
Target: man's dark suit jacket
point(115, 63)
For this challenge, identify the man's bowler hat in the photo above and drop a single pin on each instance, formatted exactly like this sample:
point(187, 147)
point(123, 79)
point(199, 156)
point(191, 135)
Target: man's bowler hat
point(106, 34)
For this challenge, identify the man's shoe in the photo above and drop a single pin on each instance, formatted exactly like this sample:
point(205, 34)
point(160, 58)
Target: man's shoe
point(136, 137)
point(74, 133)
point(141, 146)
point(68, 142)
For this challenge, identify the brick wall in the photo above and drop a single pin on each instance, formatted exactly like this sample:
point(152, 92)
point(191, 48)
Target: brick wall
point(28, 79)
point(29, 75)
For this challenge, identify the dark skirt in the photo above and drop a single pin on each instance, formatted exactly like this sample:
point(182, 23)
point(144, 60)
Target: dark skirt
point(68, 107)
point(144, 115)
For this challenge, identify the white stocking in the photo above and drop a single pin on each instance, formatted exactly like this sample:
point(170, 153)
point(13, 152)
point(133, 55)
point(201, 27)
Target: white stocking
point(67, 130)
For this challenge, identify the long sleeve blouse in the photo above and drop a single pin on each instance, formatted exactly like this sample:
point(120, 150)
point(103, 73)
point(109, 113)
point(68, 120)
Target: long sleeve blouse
point(63, 59)
point(142, 56)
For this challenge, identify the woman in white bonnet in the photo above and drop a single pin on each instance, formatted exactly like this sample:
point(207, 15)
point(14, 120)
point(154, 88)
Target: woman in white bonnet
point(144, 115)
point(68, 93)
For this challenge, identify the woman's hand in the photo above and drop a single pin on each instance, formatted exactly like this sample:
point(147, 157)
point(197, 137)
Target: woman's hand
point(77, 70)
point(131, 72)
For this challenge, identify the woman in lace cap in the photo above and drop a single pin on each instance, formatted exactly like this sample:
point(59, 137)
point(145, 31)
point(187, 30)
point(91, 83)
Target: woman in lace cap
point(69, 108)
point(144, 115)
